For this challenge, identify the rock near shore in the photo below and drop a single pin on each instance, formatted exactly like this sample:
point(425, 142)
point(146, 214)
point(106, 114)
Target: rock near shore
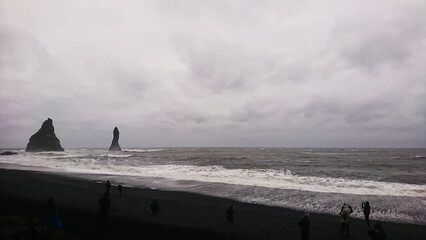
point(114, 145)
point(8, 153)
point(45, 139)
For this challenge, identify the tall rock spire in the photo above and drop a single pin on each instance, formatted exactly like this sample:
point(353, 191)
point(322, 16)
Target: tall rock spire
point(45, 139)
point(114, 145)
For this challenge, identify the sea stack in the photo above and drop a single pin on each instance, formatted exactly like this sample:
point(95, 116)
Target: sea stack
point(114, 145)
point(45, 139)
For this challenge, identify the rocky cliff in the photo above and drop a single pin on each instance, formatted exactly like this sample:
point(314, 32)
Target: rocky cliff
point(45, 139)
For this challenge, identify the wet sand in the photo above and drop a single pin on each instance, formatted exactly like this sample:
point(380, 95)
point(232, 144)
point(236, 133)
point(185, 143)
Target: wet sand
point(182, 215)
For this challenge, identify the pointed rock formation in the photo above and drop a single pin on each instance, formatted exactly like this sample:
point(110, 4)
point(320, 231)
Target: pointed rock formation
point(45, 139)
point(114, 145)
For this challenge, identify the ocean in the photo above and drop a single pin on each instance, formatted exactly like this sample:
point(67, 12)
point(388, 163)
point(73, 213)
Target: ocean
point(306, 179)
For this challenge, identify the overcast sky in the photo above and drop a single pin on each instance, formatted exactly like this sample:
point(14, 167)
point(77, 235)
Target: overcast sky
point(214, 73)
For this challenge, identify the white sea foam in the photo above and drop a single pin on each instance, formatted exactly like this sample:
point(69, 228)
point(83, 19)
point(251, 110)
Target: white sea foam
point(116, 155)
point(274, 179)
point(270, 178)
point(143, 150)
point(280, 179)
point(71, 156)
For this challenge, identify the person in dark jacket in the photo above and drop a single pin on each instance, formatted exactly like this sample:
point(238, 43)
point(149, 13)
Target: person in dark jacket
point(377, 232)
point(104, 204)
point(366, 210)
point(304, 224)
point(155, 207)
point(107, 186)
point(230, 215)
point(120, 189)
point(52, 213)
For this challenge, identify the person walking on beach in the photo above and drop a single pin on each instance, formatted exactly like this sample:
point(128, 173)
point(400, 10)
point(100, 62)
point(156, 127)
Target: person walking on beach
point(120, 189)
point(230, 215)
point(52, 213)
point(108, 186)
point(304, 224)
point(104, 204)
point(155, 207)
point(345, 212)
point(377, 232)
point(366, 210)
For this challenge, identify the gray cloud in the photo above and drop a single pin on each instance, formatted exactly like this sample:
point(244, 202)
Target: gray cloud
point(215, 73)
point(372, 43)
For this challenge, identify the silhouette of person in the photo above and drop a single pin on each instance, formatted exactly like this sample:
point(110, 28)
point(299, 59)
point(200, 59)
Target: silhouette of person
point(304, 224)
point(108, 186)
point(377, 232)
point(120, 189)
point(32, 228)
point(155, 207)
point(104, 204)
point(366, 210)
point(230, 215)
point(52, 213)
point(345, 212)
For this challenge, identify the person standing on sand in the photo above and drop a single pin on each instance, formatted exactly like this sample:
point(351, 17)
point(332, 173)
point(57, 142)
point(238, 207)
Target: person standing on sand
point(108, 186)
point(120, 189)
point(104, 204)
point(377, 232)
point(304, 224)
point(52, 213)
point(230, 215)
point(366, 210)
point(345, 212)
point(155, 207)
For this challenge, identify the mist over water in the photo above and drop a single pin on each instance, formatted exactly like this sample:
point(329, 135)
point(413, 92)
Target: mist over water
point(314, 180)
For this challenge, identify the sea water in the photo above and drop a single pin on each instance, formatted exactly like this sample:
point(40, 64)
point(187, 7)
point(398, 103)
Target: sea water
point(306, 179)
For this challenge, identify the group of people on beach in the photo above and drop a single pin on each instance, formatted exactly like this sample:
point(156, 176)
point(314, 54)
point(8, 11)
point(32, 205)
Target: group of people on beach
point(375, 233)
point(105, 202)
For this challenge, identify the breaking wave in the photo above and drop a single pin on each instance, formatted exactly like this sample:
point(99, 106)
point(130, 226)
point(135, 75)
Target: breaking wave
point(269, 178)
point(283, 179)
point(143, 150)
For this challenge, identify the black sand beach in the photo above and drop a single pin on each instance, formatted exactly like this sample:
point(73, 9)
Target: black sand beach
point(182, 215)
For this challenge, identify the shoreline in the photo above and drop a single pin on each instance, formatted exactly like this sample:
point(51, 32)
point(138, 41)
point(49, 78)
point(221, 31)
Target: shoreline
point(165, 184)
point(188, 214)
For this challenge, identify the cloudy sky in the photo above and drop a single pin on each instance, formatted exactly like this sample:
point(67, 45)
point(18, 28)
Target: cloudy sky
point(214, 73)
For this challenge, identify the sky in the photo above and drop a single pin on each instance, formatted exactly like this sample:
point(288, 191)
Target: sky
point(214, 73)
